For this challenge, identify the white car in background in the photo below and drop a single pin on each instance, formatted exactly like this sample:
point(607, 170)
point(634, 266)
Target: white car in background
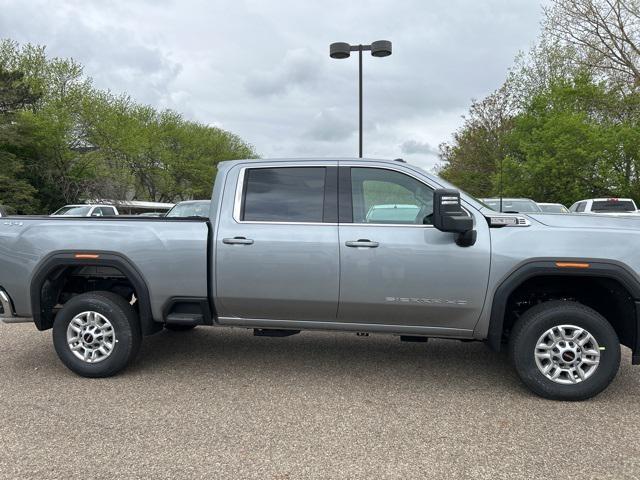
point(609, 206)
point(86, 211)
point(553, 207)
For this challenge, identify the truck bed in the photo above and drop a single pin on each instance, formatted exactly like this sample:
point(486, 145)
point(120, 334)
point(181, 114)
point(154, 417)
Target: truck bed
point(164, 249)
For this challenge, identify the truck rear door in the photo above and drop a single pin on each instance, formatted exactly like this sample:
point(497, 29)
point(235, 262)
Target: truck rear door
point(277, 255)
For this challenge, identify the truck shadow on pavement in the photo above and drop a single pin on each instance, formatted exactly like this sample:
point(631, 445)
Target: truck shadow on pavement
point(326, 356)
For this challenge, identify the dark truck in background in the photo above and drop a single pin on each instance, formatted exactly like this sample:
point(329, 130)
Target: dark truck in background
point(342, 245)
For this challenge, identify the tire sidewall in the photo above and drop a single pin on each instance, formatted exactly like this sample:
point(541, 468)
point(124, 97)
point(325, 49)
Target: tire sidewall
point(524, 357)
point(121, 352)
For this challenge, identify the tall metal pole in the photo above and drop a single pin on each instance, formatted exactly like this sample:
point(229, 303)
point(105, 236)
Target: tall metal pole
point(501, 184)
point(360, 92)
point(379, 48)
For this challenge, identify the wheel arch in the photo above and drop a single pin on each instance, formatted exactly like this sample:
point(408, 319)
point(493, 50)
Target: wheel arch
point(43, 318)
point(597, 269)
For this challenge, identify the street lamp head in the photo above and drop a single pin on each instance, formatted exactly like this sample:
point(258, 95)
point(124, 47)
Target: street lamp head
point(339, 50)
point(381, 48)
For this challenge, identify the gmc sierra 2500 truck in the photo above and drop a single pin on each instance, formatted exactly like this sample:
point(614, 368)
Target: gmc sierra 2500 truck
point(344, 244)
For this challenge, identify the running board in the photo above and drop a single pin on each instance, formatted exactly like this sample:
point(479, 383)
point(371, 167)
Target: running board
point(268, 332)
point(185, 319)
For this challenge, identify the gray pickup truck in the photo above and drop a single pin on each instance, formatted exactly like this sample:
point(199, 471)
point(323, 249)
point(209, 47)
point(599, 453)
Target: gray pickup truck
point(344, 245)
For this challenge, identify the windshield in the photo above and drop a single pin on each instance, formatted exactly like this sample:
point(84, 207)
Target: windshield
point(74, 211)
point(613, 206)
point(190, 209)
point(554, 208)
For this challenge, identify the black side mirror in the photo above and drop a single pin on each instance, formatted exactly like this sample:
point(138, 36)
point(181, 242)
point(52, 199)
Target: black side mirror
point(448, 216)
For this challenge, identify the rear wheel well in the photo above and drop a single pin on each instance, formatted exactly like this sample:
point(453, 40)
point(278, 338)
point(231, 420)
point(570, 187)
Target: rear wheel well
point(605, 295)
point(62, 277)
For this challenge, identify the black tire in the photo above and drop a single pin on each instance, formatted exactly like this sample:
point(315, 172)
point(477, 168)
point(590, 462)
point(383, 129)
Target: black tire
point(536, 321)
point(125, 324)
point(176, 327)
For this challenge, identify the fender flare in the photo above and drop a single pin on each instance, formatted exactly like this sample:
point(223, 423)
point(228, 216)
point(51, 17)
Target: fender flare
point(547, 267)
point(104, 259)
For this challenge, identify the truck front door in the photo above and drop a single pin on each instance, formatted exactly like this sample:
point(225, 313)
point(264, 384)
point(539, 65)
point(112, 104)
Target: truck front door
point(396, 268)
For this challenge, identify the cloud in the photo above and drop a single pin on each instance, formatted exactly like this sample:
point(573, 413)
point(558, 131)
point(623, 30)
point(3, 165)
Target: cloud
point(262, 69)
point(411, 147)
point(297, 69)
point(330, 126)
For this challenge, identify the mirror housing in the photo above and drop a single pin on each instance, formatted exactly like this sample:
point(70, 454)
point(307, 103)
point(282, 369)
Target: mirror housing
point(448, 216)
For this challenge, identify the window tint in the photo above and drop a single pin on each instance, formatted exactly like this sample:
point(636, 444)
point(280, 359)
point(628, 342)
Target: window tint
point(388, 197)
point(580, 207)
point(288, 194)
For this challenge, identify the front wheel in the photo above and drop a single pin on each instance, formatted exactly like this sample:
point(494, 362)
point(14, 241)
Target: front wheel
point(564, 350)
point(97, 334)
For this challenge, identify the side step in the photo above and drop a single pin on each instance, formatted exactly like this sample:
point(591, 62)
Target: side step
point(411, 338)
point(185, 319)
point(272, 332)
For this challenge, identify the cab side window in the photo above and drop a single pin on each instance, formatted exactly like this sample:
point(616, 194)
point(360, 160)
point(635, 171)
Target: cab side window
point(381, 196)
point(287, 194)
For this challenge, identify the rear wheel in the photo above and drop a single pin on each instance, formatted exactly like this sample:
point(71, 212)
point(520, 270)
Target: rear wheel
point(97, 334)
point(564, 350)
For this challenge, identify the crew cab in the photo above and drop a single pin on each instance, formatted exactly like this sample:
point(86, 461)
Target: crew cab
point(348, 245)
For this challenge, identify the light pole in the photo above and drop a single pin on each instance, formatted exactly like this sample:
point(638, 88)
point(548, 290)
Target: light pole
point(339, 50)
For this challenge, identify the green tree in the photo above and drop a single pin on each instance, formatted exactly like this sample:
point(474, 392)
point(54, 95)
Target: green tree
point(574, 141)
point(15, 94)
point(81, 143)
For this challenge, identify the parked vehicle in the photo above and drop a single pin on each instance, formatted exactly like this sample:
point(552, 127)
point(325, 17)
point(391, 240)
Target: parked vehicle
point(553, 208)
point(151, 214)
point(513, 205)
point(86, 211)
point(288, 247)
point(610, 206)
point(190, 208)
point(392, 213)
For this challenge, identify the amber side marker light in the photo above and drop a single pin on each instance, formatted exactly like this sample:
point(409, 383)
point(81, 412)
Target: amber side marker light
point(572, 265)
point(86, 256)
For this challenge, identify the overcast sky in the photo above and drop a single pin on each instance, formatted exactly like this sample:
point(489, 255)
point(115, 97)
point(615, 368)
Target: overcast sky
point(261, 69)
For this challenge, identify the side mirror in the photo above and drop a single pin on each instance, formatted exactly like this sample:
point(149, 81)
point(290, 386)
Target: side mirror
point(448, 216)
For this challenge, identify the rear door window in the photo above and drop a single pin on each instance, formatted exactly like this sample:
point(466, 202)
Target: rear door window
point(285, 194)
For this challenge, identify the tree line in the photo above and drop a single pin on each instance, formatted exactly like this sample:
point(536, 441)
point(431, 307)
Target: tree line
point(63, 141)
point(565, 124)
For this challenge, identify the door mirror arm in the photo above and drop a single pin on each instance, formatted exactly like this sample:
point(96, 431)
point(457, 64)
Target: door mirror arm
point(448, 216)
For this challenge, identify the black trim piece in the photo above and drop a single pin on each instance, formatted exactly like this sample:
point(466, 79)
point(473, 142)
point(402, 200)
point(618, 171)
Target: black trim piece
point(210, 270)
point(202, 302)
point(345, 206)
point(330, 208)
point(635, 357)
point(109, 259)
point(597, 268)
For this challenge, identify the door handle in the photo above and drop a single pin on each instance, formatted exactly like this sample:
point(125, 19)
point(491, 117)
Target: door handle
point(237, 241)
point(362, 242)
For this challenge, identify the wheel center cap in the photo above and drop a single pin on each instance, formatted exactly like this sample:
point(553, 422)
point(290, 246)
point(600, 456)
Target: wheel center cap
point(568, 356)
point(88, 338)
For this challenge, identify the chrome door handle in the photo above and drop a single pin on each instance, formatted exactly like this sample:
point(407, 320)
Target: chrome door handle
point(237, 241)
point(362, 243)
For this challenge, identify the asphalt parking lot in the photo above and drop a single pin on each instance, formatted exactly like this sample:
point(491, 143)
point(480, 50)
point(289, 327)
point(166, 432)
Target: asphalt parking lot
point(220, 403)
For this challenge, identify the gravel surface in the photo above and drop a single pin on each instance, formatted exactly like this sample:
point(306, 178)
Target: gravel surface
point(220, 403)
